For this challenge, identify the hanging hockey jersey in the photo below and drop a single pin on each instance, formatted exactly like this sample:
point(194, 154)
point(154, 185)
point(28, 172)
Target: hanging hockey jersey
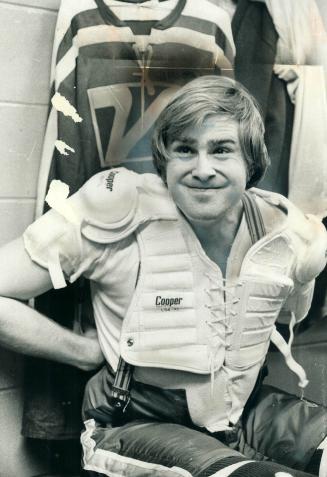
point(118, 64)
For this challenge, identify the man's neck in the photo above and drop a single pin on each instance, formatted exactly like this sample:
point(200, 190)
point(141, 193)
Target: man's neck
point(217, 237)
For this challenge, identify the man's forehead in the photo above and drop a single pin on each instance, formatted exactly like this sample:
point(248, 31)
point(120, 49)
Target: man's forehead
point(214, 128)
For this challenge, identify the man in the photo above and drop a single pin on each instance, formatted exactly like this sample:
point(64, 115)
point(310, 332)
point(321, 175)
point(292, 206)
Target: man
point(189, 274)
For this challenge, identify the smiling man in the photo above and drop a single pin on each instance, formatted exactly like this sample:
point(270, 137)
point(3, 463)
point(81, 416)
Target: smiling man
point(189, 273)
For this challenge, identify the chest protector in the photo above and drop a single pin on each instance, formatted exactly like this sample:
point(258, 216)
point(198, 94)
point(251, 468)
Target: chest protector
point(184, 316)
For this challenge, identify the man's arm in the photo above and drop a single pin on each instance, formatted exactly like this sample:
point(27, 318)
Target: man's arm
point(22, 328)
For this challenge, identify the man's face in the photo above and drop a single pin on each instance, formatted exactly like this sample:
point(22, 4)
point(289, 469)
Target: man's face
point(206, 171)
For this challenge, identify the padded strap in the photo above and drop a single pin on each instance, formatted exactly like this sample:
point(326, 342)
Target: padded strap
point(253, 217)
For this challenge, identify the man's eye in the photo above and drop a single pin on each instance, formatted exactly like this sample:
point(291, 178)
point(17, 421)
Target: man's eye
point(183, 150)
point(221, 150)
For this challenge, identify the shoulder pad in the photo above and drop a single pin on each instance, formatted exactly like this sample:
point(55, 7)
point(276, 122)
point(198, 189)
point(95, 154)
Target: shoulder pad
point(312, 260)
point(113, 203)
point(272, 198)
point(308, 234)
point(108, 197)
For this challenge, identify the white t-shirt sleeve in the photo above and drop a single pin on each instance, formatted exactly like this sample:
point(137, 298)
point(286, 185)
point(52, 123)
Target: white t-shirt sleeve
point(56, 244)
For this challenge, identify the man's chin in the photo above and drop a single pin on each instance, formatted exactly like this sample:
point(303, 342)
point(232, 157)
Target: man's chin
point(202, 217)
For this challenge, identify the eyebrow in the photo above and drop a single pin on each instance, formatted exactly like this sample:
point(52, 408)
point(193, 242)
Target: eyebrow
point(184, 140)
point(219, 142)
point(213, 143)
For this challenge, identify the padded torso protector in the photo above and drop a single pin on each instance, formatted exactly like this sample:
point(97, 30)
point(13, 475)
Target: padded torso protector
point(116, 203)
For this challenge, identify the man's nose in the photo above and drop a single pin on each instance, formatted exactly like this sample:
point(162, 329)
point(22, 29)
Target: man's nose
point(203, 169)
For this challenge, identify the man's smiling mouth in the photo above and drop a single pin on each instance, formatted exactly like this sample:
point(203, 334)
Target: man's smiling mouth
point(198, 188)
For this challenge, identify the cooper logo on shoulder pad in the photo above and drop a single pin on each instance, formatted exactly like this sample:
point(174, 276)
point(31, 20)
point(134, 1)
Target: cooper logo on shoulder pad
point(110, 180)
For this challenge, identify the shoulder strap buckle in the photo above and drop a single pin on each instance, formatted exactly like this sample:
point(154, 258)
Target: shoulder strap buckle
point(120, 392)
